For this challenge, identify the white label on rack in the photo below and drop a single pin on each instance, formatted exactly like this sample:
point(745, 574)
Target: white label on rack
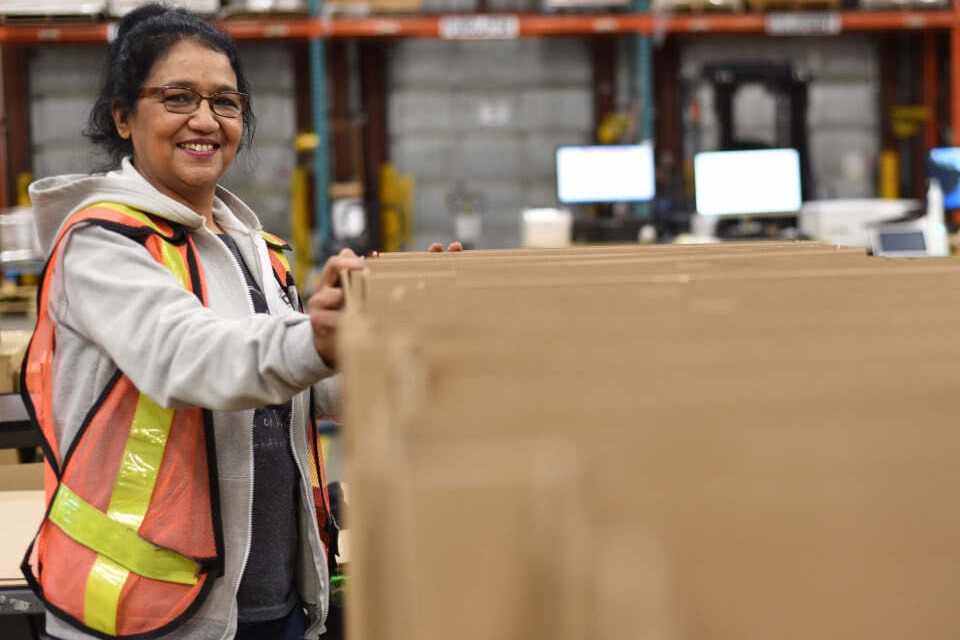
point(48, 34)
point(914, 21)
point(804, 24)
point(479, 27)
point(605, 25)
point(276, 30)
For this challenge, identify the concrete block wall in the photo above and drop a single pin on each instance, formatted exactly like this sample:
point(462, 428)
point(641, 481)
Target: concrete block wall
point(60, 96)
point(485, 117)
point(263, 178)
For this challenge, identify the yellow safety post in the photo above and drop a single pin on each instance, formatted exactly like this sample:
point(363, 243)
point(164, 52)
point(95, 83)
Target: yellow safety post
point(396, 206)
point(889, 174)
point(300, 226)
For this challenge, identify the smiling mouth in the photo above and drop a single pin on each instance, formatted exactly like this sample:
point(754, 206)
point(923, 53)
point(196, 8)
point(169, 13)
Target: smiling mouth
point(198, 147)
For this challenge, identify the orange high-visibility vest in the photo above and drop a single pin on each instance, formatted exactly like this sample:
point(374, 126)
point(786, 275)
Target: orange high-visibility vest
point(131, 542)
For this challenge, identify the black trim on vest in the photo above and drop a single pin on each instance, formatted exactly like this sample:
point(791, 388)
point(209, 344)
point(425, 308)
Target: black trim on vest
point(330, 525)
point(178, 236)
point(214, 484)
point(48, 453)
point(87, 419)
point(199, 288)
point(25, 393)
point(279, 244)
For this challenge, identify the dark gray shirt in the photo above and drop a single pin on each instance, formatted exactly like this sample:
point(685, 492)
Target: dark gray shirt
point(267, 590)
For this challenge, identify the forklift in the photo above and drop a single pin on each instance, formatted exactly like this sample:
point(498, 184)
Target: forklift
point(788, 88)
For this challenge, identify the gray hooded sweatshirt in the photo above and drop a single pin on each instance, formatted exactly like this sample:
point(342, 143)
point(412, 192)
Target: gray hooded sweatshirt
point(114, 306)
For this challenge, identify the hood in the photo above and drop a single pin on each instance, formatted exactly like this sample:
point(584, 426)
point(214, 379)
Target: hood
point(55, 198)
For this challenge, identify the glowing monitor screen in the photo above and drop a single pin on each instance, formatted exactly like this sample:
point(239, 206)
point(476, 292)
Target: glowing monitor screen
point(747, 182)
point(943, 163)
point(605, 173)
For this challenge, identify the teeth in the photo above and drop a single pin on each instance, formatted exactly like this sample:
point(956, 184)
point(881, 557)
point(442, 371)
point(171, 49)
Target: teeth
point(193, 146)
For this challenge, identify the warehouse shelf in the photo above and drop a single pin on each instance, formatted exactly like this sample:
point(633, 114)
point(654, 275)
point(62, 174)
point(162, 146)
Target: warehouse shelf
point(508, 25)
point(18, 36)
point(532, 25)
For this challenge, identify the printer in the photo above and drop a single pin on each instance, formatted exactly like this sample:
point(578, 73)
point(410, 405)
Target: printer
point(849, 221)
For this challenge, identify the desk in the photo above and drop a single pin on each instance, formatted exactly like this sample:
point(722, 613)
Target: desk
point(21, 513)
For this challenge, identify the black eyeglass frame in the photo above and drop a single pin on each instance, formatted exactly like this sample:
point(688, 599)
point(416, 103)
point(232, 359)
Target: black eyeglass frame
point(242, 98)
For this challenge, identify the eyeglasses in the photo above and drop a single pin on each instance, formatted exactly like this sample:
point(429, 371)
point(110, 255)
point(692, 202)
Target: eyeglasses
point(229, 104)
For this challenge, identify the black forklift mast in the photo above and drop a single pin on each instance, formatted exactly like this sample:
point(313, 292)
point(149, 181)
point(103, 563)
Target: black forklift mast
point(790, 90)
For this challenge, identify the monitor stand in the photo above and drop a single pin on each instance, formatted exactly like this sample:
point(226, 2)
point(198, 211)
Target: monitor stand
point(753, 227)
point(601, 210)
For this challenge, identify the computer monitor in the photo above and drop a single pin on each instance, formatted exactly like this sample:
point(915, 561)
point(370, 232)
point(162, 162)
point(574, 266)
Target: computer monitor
point(753, 182)
point(943, 163)
point(597, 174)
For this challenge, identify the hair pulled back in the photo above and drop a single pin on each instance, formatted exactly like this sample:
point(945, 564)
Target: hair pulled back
point(143, 36)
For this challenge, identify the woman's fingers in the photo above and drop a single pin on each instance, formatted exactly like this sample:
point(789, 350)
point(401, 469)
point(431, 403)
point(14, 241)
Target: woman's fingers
point(326, 302)
point(345, 260)
point(436, 247)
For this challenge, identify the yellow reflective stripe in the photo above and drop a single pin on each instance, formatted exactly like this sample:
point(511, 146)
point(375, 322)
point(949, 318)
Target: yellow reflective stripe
point(93, 529)
point(129, 211)
point(283, 258)
point(140, 463)
point(174, 261)
point(100, 605)
point(132, 491)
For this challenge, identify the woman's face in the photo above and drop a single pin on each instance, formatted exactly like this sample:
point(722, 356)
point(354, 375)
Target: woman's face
point(184, 155)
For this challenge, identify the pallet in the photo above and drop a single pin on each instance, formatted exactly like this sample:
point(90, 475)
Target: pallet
point(793, 5)
point(696, 6)
point(18, 299)
point(42, 18)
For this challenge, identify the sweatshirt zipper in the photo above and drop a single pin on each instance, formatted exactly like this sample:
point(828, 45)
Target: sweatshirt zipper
point(246, 552)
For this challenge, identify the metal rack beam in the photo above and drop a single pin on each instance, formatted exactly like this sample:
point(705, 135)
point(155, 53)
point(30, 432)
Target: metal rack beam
point(519, 25)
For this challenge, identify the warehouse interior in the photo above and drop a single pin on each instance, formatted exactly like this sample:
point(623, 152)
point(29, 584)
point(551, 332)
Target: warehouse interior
point(707, 286)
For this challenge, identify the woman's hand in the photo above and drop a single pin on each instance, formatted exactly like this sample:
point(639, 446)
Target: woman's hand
point(436, 247)
point(326, 303)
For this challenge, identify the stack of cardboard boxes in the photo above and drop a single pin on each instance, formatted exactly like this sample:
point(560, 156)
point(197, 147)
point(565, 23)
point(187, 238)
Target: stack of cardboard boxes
point(723, 442)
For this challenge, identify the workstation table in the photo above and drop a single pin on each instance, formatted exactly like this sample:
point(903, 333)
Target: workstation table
point(16, 432)
point(21, 510)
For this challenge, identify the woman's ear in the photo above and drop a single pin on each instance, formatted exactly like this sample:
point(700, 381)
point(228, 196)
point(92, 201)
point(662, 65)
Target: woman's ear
point(120, 119)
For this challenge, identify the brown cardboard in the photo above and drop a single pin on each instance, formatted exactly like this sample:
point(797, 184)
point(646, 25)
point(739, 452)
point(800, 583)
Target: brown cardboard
point(13, 344)
point(757, 449)
point(21, 476)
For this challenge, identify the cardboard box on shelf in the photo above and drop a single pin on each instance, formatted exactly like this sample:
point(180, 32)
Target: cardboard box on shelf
point(13, 345)
point(719, 441)
point(119, 8)
point(364, 7)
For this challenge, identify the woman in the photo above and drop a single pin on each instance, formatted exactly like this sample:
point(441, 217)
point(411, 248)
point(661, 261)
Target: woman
point(172, 372)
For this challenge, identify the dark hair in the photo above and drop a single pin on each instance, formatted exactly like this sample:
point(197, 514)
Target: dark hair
point(142, 37)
